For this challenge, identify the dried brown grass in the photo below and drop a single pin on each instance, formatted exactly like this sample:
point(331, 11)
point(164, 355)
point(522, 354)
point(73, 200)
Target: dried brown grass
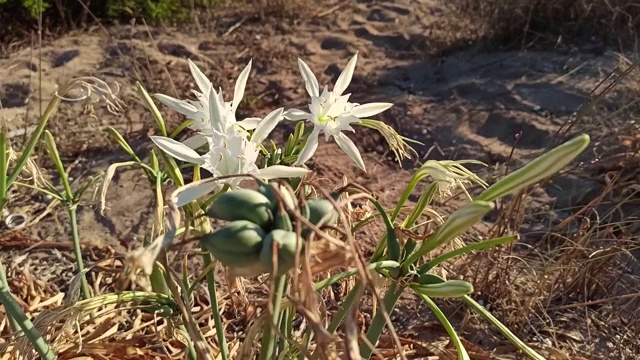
point(576, 286)
point(524, 22)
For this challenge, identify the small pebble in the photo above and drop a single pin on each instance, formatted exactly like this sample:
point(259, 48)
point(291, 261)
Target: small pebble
point(537, 108)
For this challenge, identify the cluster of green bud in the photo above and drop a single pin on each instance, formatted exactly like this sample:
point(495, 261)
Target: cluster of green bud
point(259, 223)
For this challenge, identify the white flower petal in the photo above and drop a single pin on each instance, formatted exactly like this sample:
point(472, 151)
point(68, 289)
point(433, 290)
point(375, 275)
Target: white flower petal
point(350, 149)
point(215, 111)
point(267, 125)
point(371, 109)
point(281, 171)
point(309, 148)
point(295, 115)
point(180, 106)
point(200, 78)
point(310, 81)
point(177, 149)
point(241, 83)
point(249, 123)
point(194, 191)
point(196, 141)
point(345, 77)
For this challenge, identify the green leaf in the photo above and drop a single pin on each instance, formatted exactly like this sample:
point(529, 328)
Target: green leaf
point(181, 127)
point(462, 352)
point(467, 249)
point(502, 328)
point(55, 157)
point(4, 168)
point(457, 223)
point(538, 169)
point(153, 108)
point(446, 289)
point(123, 143)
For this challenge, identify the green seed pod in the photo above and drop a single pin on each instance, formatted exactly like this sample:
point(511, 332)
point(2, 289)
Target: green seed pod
point(242, 204)
point(286, 244)
point(283, 222)
point(236, 260)
point(235, 244)
point(317, 209)
point(268, 191)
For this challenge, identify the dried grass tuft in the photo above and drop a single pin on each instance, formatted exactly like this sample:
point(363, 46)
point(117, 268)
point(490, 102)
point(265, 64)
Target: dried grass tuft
point(522, 22)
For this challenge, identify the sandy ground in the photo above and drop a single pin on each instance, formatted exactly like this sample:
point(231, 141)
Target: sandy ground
point(464, 104)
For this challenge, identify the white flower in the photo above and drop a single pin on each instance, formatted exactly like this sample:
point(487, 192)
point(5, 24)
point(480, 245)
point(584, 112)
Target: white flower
point(231, 153)
point(332, 113)
point(200, 111)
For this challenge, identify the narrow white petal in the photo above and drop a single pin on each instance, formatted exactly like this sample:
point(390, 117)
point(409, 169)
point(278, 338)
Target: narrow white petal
point(309, 148)
point(194, 191)
point(350, 149)
point(345, 77)
point(180, 106)
point(215, 111)
point(177, 149)
point(267, 125)
point(200, 78)
point(241, 83)
point(249, 123)
point(281, 171)
point(310, 81)
point(195, 141)
point(370, 109)
point(295, 115)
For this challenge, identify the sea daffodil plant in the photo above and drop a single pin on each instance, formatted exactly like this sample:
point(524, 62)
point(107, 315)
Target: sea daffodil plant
point(234, 146)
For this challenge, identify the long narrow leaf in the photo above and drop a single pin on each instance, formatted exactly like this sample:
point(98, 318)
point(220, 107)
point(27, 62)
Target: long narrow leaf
point(538, 169)
point(123, 143)
point(503, 329)
point(55, 157)
point(33, 140)
point(153, 108)
point(467, 249)
point(462, 352)
point(4, 167)
point(393, 246)
point(459, 222)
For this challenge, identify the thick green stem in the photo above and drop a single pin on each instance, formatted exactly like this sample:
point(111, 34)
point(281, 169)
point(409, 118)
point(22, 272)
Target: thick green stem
point(286, 325)
point(215, 311)
point(86, 292)
point(268, 337)
point(13, 323)
point(378, 323)
point(14, 311)
point(159, 278)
